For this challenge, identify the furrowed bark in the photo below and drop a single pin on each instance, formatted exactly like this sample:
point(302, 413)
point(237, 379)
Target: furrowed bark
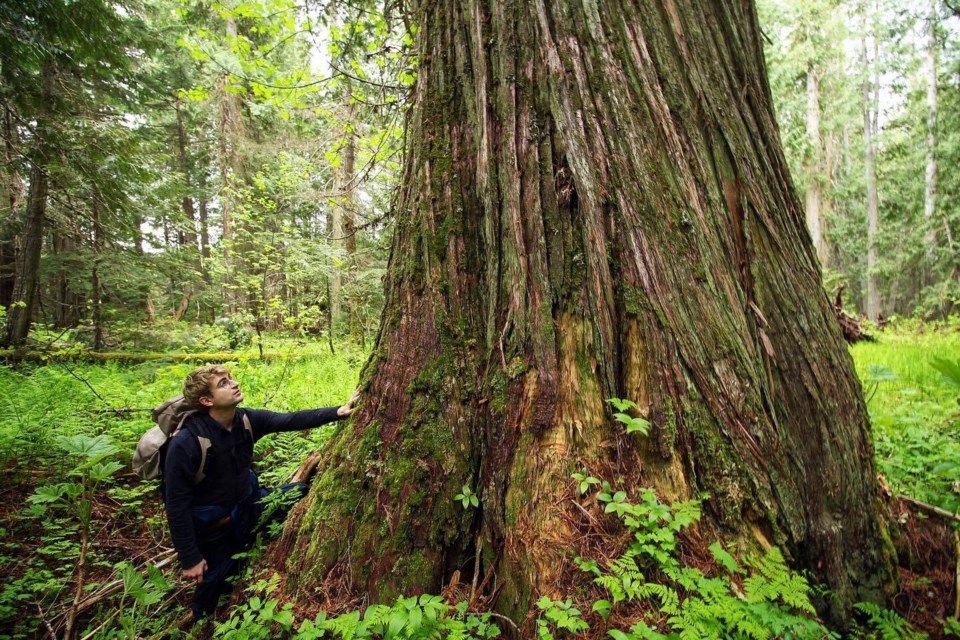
point(595, 204)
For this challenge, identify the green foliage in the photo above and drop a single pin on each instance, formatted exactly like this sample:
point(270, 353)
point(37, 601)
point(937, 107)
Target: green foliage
point(467, 497)
point(53, 422)
point(757, 598)
point(884, 624)
point(632, 424)
point(585, 482)
point(558, 618)
point(913, 410)
point(409, 618)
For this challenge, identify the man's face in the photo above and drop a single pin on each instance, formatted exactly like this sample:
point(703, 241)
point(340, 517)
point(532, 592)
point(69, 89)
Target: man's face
point(224, 393)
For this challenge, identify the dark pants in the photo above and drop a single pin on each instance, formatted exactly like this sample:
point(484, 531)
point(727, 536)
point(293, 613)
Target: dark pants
point(219, 547)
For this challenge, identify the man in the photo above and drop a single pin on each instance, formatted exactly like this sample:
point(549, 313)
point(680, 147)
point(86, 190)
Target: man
point(214, 519)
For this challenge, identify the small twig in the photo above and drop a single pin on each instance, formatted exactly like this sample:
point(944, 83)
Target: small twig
point(929, 508)
point(506, 619)
point(956, 587)
point(506, 324)
point(476, 565)
point(102, 625)
point(111, 588)
point(585, 512)
point(89, 386)
point(46, 625)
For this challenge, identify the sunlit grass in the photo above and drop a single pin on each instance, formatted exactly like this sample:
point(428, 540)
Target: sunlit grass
point(914, 416)
point(39, 403)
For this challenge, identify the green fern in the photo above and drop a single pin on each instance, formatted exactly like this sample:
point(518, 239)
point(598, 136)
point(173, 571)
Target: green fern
point(887, 624)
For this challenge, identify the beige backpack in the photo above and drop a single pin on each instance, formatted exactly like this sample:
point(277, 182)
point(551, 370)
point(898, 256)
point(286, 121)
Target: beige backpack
point(170, 418)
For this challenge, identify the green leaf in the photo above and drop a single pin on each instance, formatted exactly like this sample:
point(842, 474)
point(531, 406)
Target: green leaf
point(877, 373)
point(949, 370)
point(622, 405)
point(726, 560)
point(602, 607)
point(92, 447)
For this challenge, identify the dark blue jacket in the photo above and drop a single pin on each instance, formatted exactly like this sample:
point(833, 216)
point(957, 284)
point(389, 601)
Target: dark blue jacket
point(227, 468)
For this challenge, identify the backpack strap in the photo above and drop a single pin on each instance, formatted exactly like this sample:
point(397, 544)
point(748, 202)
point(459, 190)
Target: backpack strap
point(205, 445)
point(247, 425)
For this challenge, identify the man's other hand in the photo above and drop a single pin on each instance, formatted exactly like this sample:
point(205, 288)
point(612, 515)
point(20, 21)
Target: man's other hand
point(196, 572)
point(348, 408)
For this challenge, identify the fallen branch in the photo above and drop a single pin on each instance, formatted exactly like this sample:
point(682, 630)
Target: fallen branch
point(956, 590)
point(506, 619)
point(849, 325)
point(14, 355)
point(931, 509)
point(115, 586)
point(46, 625)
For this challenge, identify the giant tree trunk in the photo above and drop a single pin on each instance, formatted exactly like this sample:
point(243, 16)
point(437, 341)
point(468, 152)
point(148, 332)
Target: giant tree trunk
point(595, 204)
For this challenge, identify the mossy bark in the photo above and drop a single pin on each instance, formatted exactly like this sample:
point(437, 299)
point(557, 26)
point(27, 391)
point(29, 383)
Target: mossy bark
point(595, 203)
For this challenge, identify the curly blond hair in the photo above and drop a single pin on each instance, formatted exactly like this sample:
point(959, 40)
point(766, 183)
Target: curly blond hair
point(197, 384)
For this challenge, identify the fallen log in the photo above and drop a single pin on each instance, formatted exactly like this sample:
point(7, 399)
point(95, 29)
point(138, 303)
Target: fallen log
point(14, 355)
point(850, 325)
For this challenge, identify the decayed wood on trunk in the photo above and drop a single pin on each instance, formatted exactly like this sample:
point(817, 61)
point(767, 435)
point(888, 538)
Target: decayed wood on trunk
point(595, 204)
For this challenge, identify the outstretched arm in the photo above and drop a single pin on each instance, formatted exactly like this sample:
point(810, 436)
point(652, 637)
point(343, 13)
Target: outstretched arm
point(265, 422)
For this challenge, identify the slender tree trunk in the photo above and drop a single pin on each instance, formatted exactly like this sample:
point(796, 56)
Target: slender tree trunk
point(204, 223)
point(230, 125)
point(26, 287)
point(189, 236)
point(150, 310)
point(68, 301)
point(95, 286)
point(815, 170)
point(870, 101)
point(10, 197)
point(930, 191)
point(342, 226)
point(595, 204)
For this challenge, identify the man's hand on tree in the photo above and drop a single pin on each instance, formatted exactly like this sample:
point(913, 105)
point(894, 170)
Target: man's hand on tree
point(348, 408)
point(196, 572)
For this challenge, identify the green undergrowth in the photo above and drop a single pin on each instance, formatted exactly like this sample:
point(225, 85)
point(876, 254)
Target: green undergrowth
point(67, 432)
point(914, 412)
point(652, 584)
point(67, 429)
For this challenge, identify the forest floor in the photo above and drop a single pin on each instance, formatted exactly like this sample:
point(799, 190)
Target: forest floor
point(67, 429)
